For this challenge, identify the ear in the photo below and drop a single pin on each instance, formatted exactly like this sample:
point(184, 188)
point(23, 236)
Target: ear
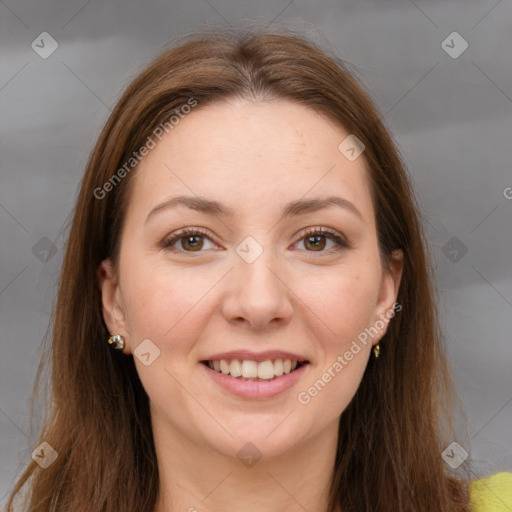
point(390, 284)
point(112, 303)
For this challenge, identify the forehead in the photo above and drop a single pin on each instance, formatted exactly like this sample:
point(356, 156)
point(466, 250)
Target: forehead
point(248, 155)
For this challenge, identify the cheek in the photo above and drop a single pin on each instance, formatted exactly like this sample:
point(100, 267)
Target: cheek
point(343, 306)
point(343, 302)
point(159, 302)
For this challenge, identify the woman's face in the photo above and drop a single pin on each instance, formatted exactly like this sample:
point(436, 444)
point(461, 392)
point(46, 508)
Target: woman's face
point(258, 278)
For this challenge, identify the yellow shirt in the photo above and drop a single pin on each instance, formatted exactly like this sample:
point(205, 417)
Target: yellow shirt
point(492, 494)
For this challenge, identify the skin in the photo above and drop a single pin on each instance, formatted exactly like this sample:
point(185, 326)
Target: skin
point(254, 157)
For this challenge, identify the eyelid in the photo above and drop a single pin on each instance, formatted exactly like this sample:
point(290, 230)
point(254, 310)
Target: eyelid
point(317, 229)
point(179, 234)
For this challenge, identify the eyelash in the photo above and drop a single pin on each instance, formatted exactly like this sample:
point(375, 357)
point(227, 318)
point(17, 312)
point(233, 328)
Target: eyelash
point(341, 243)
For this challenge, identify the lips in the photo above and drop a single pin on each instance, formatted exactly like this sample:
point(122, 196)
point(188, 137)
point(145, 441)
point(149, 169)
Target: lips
point(255, 375)
point(256, 388)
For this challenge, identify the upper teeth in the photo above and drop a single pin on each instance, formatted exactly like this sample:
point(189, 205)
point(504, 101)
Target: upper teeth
point(252, 369)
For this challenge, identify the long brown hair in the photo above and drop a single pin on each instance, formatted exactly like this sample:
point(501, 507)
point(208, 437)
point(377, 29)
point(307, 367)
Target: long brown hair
point(393, 432)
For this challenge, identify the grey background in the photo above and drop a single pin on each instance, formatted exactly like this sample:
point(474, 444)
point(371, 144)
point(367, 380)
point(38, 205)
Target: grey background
point(452, 119)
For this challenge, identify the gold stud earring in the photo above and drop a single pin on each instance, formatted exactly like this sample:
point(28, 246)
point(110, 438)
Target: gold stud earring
point(117, 341)
point(376, 351)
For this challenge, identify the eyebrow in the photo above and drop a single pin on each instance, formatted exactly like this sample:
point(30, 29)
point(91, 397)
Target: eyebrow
point(293, 208)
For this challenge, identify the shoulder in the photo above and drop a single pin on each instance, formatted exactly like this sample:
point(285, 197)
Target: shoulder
point(492, 493)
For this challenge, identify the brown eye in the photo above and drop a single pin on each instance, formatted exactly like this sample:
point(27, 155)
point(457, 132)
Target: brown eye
point(192, 243)
point(315, 242)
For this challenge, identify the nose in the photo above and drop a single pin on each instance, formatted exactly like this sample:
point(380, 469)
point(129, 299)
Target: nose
point(258, 293)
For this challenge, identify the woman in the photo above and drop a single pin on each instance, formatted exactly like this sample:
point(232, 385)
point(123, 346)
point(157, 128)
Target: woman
point(245, 317)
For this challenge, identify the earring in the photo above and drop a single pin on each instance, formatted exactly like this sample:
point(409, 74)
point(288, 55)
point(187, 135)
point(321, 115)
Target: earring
point(117, 341)
point(376, 351)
